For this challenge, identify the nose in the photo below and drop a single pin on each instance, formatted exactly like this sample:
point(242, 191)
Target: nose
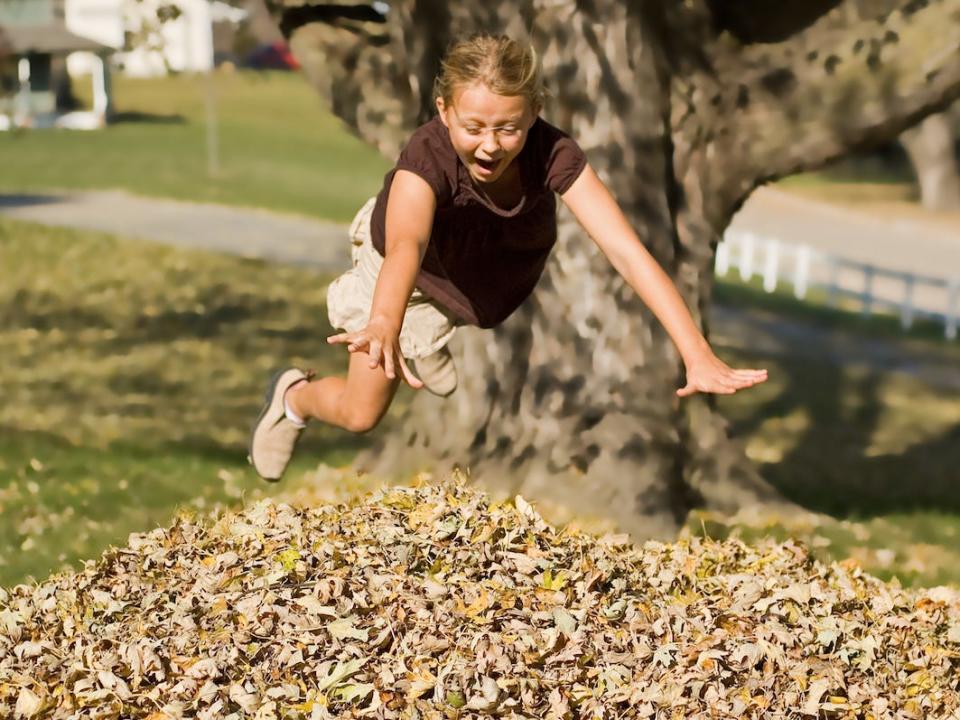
point(491, 141)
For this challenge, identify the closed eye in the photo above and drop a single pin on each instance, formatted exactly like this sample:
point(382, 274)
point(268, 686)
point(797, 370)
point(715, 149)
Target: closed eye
point(504, 129)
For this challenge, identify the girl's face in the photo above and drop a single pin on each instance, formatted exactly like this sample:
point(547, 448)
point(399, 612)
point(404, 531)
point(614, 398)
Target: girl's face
point(487, 130)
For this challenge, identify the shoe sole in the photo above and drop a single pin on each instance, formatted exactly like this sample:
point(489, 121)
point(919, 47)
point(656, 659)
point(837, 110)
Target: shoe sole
point(267, 402)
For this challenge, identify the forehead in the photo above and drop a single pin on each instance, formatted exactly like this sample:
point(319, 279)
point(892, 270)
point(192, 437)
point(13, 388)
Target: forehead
point(478, 102)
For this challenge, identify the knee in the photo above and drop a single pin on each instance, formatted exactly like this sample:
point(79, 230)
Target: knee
point(359, 421)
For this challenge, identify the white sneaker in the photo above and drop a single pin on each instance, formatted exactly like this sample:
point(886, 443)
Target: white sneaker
point(274, 436)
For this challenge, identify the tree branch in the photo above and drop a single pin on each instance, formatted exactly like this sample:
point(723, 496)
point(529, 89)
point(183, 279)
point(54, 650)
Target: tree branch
point(844, 83)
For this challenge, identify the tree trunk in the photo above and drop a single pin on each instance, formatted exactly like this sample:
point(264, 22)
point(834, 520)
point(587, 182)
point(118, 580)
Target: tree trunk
point(683, 110)
point(932, 149)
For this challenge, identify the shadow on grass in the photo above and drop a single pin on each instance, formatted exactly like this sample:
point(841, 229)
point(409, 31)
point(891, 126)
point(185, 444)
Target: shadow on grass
point(316, 443)
point(876, 326)
point(217, 312)
point(835, 466)
point(146, 118)
point(317, 440)
point(854, 392)
point(17, 200)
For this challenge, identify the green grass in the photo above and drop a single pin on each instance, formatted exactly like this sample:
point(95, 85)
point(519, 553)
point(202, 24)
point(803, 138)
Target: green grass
point(279, 149)
point(884, 175)
point(131, 375)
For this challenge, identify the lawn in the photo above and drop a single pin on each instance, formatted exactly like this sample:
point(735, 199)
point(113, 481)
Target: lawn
point(278, 148)
point(131, 375)
point(881, 183)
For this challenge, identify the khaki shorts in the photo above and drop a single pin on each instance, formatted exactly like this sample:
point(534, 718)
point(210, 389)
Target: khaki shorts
point(426, 327)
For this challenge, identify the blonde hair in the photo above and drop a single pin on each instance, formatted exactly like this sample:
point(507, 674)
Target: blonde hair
point(504, 65)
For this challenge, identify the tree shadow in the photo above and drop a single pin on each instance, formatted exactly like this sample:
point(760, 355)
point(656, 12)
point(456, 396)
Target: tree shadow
point(203, 413)
point(833, 467)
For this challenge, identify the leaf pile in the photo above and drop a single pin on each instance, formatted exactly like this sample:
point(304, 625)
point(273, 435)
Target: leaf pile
point(434, 602)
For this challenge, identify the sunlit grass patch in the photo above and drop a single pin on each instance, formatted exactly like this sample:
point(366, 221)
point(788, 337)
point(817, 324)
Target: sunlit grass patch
point(919, 549)
point(279, 148)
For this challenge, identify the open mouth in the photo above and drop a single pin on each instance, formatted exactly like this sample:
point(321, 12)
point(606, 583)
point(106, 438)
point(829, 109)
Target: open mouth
point(487, 166)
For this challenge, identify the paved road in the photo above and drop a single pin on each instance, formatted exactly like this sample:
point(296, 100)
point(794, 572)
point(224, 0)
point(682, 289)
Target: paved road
point(324, 246)
point(247, 232)
point(908, 244)
point(913, 244)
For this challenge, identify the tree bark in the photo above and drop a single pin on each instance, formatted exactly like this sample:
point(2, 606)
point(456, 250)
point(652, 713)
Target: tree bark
point(683, 109)
point(932, 148)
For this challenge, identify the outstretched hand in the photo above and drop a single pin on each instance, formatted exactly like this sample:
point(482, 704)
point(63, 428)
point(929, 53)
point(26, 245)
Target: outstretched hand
point(708, 373)
point(382, 343)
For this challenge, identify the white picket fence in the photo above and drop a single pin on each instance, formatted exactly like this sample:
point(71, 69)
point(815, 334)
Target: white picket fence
point(909, 294)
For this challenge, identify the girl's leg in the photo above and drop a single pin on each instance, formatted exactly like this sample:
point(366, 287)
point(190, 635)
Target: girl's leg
point(356, 403)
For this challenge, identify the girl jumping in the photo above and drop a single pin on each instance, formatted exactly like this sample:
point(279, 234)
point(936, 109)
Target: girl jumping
point(460, 234)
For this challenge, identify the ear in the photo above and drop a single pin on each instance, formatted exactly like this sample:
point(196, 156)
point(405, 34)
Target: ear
point(442, 111)
point(534, 113)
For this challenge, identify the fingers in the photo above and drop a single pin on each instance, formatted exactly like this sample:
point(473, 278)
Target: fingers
point(759, 375)
point(375, 351)
point(339, 338)
point(388, 366)
point(408, 376)
point(380, 353)
point(394, 360)
point(720, 379)
point(722, 384)
point(353, 341)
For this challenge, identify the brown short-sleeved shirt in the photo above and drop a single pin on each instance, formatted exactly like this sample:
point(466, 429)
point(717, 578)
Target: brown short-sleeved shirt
point(483, 261)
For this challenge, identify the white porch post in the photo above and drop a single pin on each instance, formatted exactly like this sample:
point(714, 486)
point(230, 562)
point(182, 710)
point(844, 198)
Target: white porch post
point(100, 75)
point(22, 110)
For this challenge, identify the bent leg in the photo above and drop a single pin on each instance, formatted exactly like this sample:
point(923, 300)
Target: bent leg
point(356, 403)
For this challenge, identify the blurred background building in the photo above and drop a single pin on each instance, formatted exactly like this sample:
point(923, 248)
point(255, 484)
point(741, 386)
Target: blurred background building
point(38, 41)
point(50, 43)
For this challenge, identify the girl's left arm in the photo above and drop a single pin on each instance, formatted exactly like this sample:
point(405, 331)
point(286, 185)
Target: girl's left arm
point(600, 215)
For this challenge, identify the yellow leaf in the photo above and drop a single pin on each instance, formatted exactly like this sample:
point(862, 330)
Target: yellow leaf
point(478, 606)
point(288, 559)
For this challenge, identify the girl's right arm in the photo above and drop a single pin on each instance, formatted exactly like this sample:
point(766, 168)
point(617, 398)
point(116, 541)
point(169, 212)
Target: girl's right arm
point(410, 208)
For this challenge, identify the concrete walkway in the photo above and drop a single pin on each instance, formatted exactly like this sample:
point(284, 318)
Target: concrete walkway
point(243, 231)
